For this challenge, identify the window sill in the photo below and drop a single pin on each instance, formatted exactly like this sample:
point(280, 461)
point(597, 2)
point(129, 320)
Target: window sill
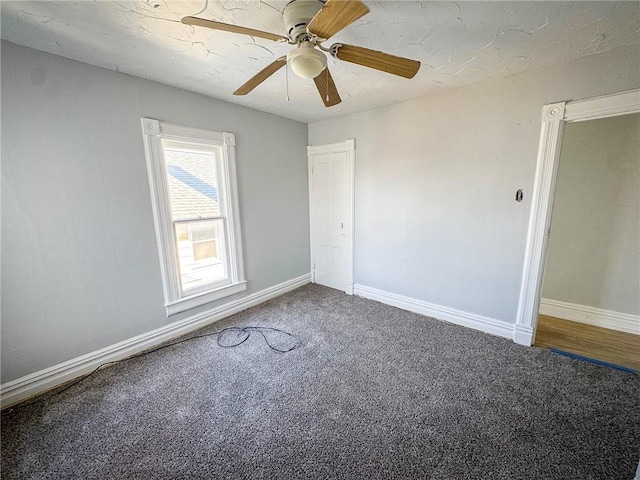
point(193, 301)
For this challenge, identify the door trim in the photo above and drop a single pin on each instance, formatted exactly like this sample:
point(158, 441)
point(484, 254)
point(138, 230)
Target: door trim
point(348, 147)
point(554, 116)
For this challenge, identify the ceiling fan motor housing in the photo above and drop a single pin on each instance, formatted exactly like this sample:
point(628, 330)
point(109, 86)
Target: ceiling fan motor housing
point(298, 14)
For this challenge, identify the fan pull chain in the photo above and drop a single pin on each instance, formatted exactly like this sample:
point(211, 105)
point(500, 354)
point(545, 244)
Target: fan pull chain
point(326, 77)
point(286, 76)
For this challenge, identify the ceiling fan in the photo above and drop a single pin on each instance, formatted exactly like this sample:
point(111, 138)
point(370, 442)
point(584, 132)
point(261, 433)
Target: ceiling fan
point(309, 23)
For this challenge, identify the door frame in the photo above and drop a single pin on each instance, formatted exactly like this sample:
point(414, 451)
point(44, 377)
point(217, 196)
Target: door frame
point(554, 117)
point(349, 148)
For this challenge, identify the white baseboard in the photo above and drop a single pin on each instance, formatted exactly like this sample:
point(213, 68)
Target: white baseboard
point(523, 335)
point(623, 322)
point(24, 387)
point(348, 288)
point(459, 317)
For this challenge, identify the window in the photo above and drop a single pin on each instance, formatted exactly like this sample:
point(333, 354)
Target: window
point(194, 197)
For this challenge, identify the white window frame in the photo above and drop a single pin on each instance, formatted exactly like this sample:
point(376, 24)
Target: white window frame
point(154, 132)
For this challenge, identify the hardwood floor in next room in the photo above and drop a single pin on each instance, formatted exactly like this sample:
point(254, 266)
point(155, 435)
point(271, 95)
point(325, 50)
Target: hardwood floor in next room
point(602, 344)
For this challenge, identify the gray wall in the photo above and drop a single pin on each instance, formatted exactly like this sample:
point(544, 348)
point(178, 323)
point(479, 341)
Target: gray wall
point(436, 177)
point(594, 248)
point(80, 268)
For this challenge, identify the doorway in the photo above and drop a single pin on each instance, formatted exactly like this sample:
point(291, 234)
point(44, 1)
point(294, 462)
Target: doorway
point(331, 210)
point(554, 118)
point(590, 301)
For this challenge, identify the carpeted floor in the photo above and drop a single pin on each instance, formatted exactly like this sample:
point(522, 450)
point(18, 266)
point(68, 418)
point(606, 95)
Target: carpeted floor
point(372, 392)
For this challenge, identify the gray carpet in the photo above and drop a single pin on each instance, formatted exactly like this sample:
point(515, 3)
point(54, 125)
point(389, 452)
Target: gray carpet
point(372, 392)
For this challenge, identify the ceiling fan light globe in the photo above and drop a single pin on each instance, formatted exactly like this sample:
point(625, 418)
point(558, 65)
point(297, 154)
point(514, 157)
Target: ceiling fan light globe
point(308, 67)
point(306, 61)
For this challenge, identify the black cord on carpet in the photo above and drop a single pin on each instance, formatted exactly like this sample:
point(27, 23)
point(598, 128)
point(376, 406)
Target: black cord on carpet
point(227, 338)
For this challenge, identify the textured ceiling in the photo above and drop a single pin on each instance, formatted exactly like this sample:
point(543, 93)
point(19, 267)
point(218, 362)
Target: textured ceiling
point(458, 43)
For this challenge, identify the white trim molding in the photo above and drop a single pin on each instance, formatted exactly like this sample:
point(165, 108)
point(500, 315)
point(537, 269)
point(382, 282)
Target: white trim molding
point(338, 147)
point(222, 146)
point(25, 387)
point(187, 303)
point(538, 238)
point(603, 107)
point(451, 315)
point(622, 322)
point(349, 288)
point(523, 335)
point(554, 117)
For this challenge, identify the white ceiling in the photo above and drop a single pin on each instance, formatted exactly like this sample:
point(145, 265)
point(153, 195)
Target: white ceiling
point(458, 43)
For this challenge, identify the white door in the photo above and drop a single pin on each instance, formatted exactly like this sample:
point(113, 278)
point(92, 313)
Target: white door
point(331, 204)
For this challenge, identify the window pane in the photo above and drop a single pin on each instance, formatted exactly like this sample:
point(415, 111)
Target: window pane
point(202, 231)
point(193, 182)
point(201, 253)
point(205, 250)
point(182, 232)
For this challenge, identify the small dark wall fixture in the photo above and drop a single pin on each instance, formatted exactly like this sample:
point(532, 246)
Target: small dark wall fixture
point(519, 195)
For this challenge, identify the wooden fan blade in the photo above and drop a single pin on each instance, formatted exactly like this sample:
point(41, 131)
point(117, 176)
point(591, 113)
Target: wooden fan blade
point(327, 88)
point(336, 15)
point(403, 67)
point(201, 22)
point(261, 76)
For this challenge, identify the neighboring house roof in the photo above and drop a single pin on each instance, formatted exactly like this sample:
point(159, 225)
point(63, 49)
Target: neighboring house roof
point(192, 184)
